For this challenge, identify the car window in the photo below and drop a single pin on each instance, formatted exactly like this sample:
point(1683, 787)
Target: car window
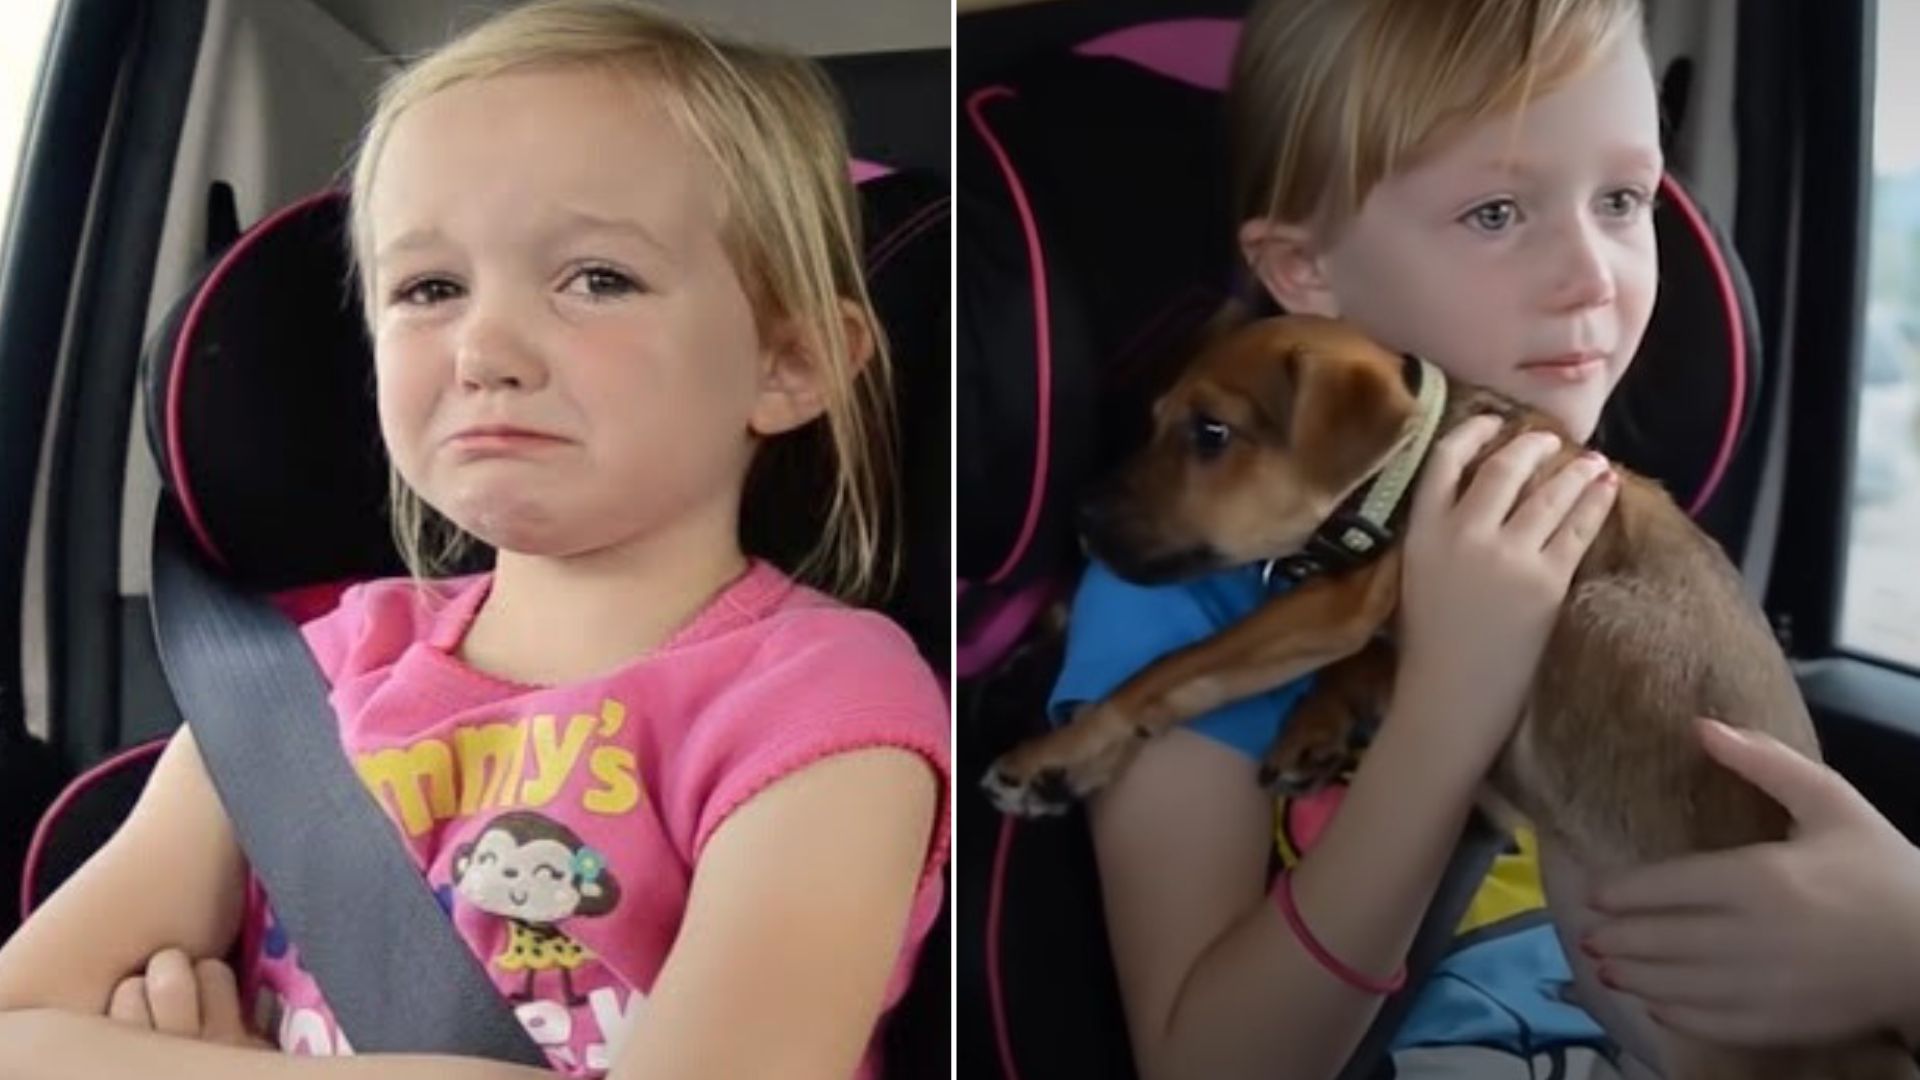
point(1880, 612)
point(23, 40)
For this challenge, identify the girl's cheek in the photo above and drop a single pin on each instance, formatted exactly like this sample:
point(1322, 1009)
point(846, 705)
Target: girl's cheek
point(406, 384)
point(408, 348)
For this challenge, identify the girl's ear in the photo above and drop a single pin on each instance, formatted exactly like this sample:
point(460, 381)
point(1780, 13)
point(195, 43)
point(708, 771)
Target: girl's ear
point(1287, 260)
point(794, 379)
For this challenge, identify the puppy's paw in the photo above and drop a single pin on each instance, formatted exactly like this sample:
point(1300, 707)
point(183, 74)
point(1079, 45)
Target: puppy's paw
point(1046, 775)
point(1046, 794)
point(1318, 743)
point(1306, 770)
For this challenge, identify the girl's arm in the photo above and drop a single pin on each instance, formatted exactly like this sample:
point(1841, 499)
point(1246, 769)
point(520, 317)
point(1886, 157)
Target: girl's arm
point(52, 1044)
point(1215, 983)
point(798, 909)
point(799, 905)
point(171, 876)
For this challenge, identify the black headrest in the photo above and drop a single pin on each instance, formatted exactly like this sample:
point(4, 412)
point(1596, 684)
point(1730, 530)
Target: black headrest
point(1098, 239)
point(262, 418)
point(889, 98)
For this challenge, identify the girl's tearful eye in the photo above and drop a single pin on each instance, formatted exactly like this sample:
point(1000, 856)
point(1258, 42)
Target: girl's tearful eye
point(425, 292)
point(602, 283)
point(1626, 204)
point(1493, 217)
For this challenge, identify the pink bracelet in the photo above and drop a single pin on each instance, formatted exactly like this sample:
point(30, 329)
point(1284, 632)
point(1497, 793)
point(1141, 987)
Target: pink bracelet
point(1283, 899)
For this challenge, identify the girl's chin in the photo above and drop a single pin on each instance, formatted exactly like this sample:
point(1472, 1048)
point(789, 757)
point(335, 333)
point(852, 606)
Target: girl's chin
point(522, 525)
point(1577, 408)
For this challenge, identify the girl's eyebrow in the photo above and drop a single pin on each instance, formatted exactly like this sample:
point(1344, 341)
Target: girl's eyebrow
point(411, 240)
point(575, 222)
point(1634, 156)
point(1622, 156)
point(572, 223)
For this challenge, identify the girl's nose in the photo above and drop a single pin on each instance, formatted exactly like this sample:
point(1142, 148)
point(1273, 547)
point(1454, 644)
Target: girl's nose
point(488, 355)
point(1581, 277)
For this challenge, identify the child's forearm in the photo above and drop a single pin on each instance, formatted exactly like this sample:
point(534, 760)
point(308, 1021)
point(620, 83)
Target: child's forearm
point(1257, 1003)
point(48, 1044)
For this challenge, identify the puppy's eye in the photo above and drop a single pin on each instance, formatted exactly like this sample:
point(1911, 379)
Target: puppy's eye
point(1210, 436)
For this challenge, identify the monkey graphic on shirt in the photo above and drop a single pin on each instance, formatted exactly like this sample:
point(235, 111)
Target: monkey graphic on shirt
point(535, 872)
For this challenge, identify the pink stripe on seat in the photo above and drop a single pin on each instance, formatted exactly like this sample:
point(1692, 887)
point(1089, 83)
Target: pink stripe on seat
point(1198, 52)
point(864, 171)
point(86, 781)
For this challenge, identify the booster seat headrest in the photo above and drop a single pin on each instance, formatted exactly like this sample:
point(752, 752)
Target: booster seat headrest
point(1098, 239)
point(262, 419)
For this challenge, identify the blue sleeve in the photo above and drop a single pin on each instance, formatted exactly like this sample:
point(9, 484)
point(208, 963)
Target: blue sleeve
point(1117, 628)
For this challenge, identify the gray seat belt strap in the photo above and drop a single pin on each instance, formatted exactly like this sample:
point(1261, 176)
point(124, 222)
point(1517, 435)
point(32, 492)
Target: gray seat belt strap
point(393, 969)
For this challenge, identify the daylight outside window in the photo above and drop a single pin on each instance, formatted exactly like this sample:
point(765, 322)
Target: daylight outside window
point(23, 38)
point(1880, 610)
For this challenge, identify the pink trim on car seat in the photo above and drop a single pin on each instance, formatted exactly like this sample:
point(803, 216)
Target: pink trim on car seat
point(36, 850)
point(305, 603)
point(176, 374)
point(883, 250)
point(1042, 330)
point(996, 996)
point(1198, 52)
point(983, 644)
point(864, 171)
point(1736, 341)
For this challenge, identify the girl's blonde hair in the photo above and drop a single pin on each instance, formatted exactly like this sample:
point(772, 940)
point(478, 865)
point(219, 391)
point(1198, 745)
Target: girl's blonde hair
point(769, 124)
point(1329, 97)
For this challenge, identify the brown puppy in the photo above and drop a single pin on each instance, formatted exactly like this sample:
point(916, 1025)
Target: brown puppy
point(1265, 436)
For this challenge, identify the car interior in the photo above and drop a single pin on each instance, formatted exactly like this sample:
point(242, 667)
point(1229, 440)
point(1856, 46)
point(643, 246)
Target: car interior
point(1759, 399)
point(172, 288)
point(176, 288)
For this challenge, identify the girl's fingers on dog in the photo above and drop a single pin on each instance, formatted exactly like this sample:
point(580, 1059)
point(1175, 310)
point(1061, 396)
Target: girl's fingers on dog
point(1673, 938)
point(1732, 1026)
point(1663, 984)
point(220, 1018)
point(128, 1005)
point(173, 994)
point(1543, 510)
point(1448, 460)
point(1582, 524)
point(1816, 795)
point(1497, 483)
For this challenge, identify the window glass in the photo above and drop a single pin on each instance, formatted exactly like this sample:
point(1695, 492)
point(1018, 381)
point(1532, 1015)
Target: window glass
point(1880, 611)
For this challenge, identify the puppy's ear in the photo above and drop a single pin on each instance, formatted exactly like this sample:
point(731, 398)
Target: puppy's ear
point(1350, 413)
point(1274, 406)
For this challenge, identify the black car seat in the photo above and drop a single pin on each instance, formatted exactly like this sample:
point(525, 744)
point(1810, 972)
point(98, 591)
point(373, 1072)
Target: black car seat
point(1096, 241)
point(261, 417)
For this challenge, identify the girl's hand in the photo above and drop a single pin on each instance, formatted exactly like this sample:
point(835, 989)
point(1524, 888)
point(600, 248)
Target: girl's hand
point(1812, 938)
point(176, 996)
point(1485, 572)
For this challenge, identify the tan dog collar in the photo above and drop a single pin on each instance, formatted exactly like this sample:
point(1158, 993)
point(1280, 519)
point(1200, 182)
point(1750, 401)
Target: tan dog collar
point(1365, 523)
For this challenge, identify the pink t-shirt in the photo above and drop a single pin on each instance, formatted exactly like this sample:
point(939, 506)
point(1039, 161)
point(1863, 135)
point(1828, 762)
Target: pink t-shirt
point(560, 826)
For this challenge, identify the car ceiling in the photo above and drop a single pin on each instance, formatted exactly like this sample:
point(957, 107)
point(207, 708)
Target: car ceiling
point(819, 27)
